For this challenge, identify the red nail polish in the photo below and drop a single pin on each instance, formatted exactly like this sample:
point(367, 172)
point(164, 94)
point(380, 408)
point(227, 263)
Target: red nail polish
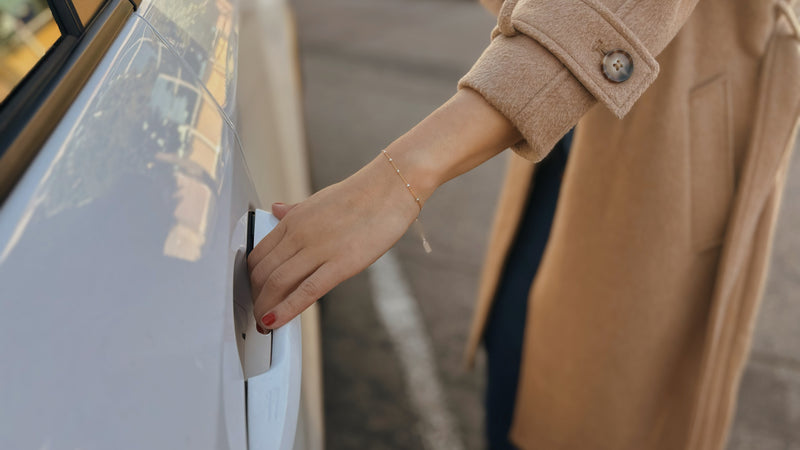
point(268, 320)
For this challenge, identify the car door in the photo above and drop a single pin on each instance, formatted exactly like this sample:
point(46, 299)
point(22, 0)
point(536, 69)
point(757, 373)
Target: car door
point(119, 246)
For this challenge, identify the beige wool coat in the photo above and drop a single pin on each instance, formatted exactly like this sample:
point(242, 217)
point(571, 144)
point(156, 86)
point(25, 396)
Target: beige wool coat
point(641, 314)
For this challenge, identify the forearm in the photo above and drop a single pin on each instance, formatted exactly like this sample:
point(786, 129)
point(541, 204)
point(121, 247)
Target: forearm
point(457, 137)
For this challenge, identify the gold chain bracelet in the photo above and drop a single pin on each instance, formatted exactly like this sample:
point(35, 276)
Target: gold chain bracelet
point(417, 224)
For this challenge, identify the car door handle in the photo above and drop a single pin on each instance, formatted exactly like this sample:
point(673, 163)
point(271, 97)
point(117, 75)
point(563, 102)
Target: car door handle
point(273, 378)
point(257, 347)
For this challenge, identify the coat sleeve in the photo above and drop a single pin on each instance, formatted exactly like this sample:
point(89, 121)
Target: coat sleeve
point(543, 67)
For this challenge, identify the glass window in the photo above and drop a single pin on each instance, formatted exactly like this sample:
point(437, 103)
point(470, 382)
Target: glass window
point(27, 31)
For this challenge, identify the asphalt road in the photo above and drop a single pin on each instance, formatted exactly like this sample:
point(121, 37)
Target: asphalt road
point(371, 70)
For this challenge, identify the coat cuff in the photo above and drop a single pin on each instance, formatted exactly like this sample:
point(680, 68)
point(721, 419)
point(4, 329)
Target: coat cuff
point(580, 33)
point(544, 67)
point(530, 87)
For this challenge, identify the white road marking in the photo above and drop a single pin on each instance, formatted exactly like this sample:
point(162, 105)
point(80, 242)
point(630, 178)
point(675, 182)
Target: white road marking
point(400, 315)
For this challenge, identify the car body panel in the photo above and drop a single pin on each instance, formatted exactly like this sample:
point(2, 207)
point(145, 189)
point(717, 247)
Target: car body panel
point(116, 250)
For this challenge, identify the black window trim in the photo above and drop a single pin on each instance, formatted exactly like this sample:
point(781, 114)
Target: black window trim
point(33, 109)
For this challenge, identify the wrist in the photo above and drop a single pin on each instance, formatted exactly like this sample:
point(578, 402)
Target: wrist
point(383, 185)
point(415, 169)
point(380, 182)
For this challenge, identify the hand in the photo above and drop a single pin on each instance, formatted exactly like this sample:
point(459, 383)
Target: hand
point(340, 230)
point(326, 239)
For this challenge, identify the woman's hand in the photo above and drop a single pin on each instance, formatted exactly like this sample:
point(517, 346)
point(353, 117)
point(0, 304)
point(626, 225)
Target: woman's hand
point(326, 239)
point(340, 230)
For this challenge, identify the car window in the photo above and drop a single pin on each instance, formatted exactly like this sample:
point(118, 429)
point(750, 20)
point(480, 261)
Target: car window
point(27, 31)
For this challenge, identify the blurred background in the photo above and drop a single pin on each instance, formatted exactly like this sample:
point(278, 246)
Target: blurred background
point(371, 70)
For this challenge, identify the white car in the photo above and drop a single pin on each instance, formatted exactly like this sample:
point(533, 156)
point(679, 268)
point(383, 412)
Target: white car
point(131, 180)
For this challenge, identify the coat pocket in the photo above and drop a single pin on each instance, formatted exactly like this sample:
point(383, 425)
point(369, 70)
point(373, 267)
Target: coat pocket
point(711, 162)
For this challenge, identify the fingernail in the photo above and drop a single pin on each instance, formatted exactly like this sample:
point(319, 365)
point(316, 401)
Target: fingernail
point(268, 320)
point(261, 330)
point(279, 203)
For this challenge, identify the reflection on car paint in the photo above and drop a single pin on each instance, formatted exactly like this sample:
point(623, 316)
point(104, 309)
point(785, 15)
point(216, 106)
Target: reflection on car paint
point(186, 137)
point(175, 132)
point(204, 35)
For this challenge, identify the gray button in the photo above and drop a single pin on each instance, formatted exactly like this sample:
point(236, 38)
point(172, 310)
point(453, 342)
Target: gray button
point(617, 66)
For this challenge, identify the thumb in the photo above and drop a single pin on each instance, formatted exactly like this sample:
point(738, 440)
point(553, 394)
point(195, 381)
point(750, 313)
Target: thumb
point(279, 209)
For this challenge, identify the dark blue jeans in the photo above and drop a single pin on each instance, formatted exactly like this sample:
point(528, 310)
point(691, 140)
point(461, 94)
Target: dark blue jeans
point(506, 322)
